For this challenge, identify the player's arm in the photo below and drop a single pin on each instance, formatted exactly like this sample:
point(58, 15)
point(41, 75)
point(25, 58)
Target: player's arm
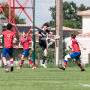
point(81, 45)
point(38, 33)
point(16, 42)
point(51, 33)
point(70, 47)
point(32, 46)
point(31, 43)
point(15, 39)
point(20, 44)
point(1, 36)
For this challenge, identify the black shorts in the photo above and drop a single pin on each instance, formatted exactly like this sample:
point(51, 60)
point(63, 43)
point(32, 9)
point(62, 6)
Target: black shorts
point(43, 44)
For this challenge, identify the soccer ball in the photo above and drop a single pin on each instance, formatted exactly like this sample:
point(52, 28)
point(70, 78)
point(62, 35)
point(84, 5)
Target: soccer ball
point(57, 37)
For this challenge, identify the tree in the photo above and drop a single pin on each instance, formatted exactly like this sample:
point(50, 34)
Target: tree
point(17, 20)
point(70, 17)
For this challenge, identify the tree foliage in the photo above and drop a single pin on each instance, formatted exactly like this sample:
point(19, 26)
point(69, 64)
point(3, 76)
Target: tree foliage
point(70, 17)
point(17, 20)
point(50, 57)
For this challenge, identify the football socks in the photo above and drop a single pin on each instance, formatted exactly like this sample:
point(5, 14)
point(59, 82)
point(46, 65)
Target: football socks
point(11, 62)
point(22, 61)
point(6, 67)
point(44, 58)
point(31, 62)
point(65, 63)
point(80, 66)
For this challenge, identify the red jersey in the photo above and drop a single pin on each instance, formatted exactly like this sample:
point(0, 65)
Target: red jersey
point(75, 46)
point(8, 38)
point(25, 42)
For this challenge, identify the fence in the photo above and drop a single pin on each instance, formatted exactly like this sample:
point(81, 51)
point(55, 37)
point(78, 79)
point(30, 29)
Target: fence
point(45, 11)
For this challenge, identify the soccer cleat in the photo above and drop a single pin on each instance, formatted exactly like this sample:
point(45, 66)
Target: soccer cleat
point(11, 68)
point(43, 65)
point(19, 68)
point(6, 70)
point(62, 68)
point(82, 69)
point(33, 68)
point(50, 44)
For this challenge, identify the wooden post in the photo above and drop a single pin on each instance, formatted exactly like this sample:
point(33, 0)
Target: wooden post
point(59, 31)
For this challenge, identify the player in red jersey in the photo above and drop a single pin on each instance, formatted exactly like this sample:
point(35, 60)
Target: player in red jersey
point(76, 54)
point(8, 46)
point(25, 41)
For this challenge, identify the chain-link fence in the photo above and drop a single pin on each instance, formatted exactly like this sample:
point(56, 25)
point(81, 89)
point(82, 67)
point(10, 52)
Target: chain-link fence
point(44, 14)
point(45, 11)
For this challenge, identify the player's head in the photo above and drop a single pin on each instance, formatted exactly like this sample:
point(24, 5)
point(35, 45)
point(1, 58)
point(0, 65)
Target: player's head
point(45, 26)
point(9, 26)
point(24, 33)
point(73, 36)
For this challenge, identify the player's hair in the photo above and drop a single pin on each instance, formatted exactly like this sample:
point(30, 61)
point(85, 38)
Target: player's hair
point(9, 26)
point(24, 31)
point(73, 35)
point(45, 24)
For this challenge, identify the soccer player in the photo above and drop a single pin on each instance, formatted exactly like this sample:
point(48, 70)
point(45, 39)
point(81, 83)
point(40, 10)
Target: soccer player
point(25, 41)
point(43, 41)
point(76, 54)
point(8, 46)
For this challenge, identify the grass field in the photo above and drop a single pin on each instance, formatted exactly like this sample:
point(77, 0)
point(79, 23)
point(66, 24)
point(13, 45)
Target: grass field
point(45, 79)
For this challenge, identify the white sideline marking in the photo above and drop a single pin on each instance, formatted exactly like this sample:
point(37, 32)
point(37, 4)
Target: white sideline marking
point(86, 85)
point(71, 84)
point(47, 81)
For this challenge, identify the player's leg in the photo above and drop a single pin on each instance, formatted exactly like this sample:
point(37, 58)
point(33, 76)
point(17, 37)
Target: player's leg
point(11, 62)
point(78, 63)
point(10, 52)
point(43, 46)
point(44, 57)
point(4, 55)
point(22, 61)
point(5, 64)
point(50, 41)
point(31, 62)
point(65, 62)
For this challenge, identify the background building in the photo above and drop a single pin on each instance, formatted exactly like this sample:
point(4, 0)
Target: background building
point(84, 37)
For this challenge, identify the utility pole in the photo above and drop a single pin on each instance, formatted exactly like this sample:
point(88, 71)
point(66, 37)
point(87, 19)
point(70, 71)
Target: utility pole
point(59, 31)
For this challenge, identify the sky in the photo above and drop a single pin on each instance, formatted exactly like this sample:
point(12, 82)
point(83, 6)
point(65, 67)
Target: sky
point(42, 14)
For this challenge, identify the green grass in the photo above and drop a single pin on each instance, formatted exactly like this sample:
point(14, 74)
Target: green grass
point(45, 79)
